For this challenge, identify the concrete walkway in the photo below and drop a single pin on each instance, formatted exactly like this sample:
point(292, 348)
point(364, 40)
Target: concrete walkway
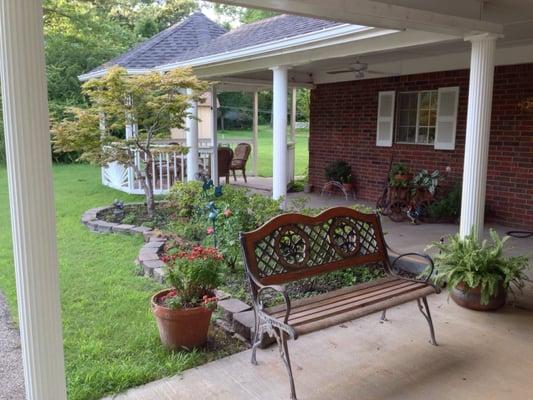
point(11, 374)
point(480, 356)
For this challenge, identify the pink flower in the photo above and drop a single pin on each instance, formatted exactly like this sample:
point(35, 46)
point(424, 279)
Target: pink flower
point(210, 230)
point(227, 213)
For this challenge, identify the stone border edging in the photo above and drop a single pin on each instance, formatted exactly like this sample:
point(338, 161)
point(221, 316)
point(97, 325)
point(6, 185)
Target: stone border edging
point(237, 317)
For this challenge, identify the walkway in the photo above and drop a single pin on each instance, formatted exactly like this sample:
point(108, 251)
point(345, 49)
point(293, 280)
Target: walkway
point(481, 356)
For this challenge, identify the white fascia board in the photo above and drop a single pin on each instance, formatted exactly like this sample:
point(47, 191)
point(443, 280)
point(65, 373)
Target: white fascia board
point(282, 44)
point(102, 72)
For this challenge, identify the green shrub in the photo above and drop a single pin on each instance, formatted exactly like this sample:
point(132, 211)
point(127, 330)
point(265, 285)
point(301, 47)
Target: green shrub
point(339, 171)
point(449, 206)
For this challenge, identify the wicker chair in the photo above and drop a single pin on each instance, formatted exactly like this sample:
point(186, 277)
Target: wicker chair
point(225, 156)
point(242, 152)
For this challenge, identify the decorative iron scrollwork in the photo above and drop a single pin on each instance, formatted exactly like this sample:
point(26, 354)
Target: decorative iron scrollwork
point(344, 236)
point(292, 247)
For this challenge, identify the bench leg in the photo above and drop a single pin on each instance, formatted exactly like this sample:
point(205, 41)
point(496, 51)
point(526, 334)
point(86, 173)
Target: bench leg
point(284, 353)
point(424, 309)
point(383, 317)
point(255, 340)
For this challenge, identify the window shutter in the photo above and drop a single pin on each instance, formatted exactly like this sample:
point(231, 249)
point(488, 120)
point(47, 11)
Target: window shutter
point(448, 101)
point(385, 125)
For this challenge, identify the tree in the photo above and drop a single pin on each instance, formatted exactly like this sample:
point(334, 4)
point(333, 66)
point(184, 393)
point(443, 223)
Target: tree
point(155, 102)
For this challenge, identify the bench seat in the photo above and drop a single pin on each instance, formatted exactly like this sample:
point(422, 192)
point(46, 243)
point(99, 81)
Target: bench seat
point(346, 304)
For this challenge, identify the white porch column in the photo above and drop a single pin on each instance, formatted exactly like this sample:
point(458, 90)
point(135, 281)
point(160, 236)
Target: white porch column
point(477, 134)
point(279, 110)
point(293, 114)
point(255, 128)
point(31, 197)
point(214, 139)
point(192, 141)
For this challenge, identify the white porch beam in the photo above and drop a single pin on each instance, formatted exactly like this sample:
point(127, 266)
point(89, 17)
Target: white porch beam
point(261, 84)
point(279, 110)
point(375, 13)
point(214, 138)
point(477, 135)
point(191, 141)
point(29, 168)
point(255, 129)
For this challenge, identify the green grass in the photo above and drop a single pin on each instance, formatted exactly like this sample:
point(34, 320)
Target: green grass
point(264, 157)
point(110, 338)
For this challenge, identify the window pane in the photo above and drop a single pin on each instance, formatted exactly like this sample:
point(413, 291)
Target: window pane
point(404, 118)
point(412, 117)
point(411, 135)
point(432, 118)
point(434, 98)
point(422, 135)
point(424, 118)
point(431, 135)
point(424, 99)
point(402, 135)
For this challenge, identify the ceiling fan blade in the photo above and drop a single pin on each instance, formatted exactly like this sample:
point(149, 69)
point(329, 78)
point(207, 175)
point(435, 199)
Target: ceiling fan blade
point(342, 71)
point(371, 71)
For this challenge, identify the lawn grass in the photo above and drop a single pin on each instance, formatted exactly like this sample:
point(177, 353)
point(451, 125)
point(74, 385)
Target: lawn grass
point(110, 338)
point(264, 158)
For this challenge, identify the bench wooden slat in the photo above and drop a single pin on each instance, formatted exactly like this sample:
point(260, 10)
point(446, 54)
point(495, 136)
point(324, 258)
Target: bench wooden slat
point(354, 296)
point(338, 319)
point(356, 302)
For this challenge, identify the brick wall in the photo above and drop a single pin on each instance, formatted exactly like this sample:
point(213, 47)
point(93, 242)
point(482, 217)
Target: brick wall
point(343, 126)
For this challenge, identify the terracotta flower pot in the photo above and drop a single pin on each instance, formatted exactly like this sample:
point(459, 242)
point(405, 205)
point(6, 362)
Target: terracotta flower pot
point(471, 297)
point(181, 328)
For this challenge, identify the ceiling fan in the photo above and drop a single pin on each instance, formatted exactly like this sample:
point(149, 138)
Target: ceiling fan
point(360, 70)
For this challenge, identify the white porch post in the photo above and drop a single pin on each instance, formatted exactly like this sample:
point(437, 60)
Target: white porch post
point(279, 110)
point(192, 141)
point(293, 115)
point(31, 197)
point(214, 139)
point(255, 128)
point(477, 134)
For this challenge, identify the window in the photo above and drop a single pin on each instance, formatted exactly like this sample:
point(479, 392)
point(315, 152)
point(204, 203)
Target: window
point(416, 117)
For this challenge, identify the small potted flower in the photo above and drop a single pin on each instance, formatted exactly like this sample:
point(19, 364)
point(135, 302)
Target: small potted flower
point(341, 172)
point(399, 178)
point(183, 312)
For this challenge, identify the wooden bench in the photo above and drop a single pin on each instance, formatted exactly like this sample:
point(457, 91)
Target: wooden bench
point(292, 246)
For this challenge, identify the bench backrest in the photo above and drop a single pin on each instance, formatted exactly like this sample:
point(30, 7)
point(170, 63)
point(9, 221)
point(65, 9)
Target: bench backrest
point(294, 246)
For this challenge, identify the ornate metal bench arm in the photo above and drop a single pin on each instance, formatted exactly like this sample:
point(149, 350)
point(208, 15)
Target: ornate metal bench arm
point(429, 260)
point(280, 290)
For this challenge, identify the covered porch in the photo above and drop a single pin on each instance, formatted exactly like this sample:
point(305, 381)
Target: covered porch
point(470, 341)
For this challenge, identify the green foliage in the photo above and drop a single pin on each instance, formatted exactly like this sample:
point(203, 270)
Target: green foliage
point(478, 264)
point(193, 274)
point(339, 171)
point(398, 174)
point(239, 210)
point(424, 180)
point(449, 206)
point(110, 337)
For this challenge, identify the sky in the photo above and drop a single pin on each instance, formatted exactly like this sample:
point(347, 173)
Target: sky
point(208, 9)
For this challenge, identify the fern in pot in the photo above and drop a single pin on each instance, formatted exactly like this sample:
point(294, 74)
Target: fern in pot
point(477, 273)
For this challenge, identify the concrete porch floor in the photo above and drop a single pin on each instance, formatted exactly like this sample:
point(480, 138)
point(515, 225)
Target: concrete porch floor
point(480, 356)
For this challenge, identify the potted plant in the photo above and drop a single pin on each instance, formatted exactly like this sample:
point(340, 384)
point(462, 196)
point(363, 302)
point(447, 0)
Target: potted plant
point(399, 178)
point(340, 171)
point(183, 312)
point(477, 273)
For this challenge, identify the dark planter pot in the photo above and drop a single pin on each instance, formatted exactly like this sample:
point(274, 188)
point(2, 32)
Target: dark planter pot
point(182, 328)
point(471, 297)
point(348, 187)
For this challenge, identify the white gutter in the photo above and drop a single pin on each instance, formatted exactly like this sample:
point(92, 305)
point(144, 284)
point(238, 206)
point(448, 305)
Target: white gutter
point(303, 39)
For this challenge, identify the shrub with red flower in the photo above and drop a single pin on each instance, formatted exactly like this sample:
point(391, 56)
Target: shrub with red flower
point(194, 275)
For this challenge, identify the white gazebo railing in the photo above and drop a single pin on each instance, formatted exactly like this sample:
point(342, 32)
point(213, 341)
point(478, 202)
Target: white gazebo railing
point(168, 167)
